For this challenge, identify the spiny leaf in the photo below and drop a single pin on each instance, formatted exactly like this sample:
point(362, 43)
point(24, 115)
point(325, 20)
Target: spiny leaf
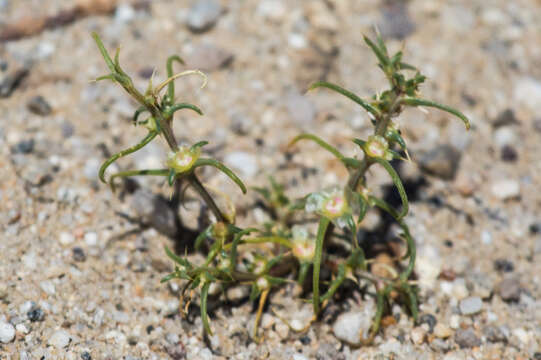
point(322, 229)
point(365, 105)
point(218, 165)
point(150, 136)
point(421, 102)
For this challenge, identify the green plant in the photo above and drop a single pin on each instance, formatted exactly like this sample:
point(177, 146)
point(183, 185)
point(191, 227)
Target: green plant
point(237, 255)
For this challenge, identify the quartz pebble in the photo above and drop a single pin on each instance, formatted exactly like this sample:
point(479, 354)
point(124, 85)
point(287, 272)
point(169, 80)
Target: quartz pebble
point(203, 15)
point(60, 339)
point(7, 332)
point(505, 189)
point(471, 305)
point(442, 331)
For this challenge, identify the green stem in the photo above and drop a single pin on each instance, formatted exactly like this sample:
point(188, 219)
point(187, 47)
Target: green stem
point(198, 186)
point(321, 231)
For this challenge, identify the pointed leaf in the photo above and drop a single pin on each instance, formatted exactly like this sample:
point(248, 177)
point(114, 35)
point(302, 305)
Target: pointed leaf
point(174, 108)
point(204, 315)
point(398, 183)
point(421, 102)
point(365, 105)
point(218, 165)
point(321, 231)
point(380, 53)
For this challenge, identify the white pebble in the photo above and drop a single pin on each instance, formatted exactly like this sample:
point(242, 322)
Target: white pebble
point(7, 332)
point(22, 328)
point(66, 238)
point(60, 339)
point(505, 189)
point(454, 322)
point(91, 238)
point(48, 287)
point(471, 305)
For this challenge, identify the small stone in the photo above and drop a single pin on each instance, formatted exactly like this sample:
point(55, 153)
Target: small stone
point(66, 238)
point(203, 15)
point(10, 82)
point(7, 332)
point(505, 135)
point(245, 162)
point(505, 118)
point(505, 189)
point(282, 330)
point(349, 326)
point(471, 305)
point(494, 334)
point(85, 355)
point(466, 338)
point(442, 331)
point(509, 289)
point(504, 265)
point(48, 287)
point(209, 57)
point(172, 338)
point(440, 345)
point(91, 238)
point(124, 13)
point(418, 335)
point(171, 307)
point(22, 329)
point(35, 314)
point(396, 22)
point(78, 254)
point(428, 319)
point(39, 106)
point(527, 91)
point(301, 109)
point(91, 168)
point(321, 17)
point(454, 321)
point(522, 335)
point(267, 321)
point(441, 161)
point(23, 147)
point(60, 339)
point(537, 124)
point(240, 124)
point(273, 10)
point(509, 154)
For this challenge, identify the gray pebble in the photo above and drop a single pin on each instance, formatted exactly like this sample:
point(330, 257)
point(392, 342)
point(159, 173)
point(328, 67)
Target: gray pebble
point(467, 338)
point(10, 82)
point(24, 147)
point(495, 334)
point(505, 118)
point(7, 332)
point(39, 106)
point(203, 15)
point(209, 57)
point(60, 339)
point(442, 161)
point(509, 289)
point(471, 305)
point(440, 345)
point(124, 14)
point(349, 326)
point(78, 254)
point(240, 123)
point(395, 20)
point(172, 338)
point(301, 109)
point(244, 162)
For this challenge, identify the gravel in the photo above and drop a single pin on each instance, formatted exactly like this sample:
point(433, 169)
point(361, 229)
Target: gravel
point(39, 106)
point(442, 161)
point(509, 289)
point(203, 15)
point(471, 305)
point(466, 338)
point(7, 332)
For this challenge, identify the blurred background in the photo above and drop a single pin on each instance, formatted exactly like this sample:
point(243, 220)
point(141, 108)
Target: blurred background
point(89, 258)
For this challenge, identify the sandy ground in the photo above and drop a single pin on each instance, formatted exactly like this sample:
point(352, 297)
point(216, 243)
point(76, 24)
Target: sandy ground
point(79, 278)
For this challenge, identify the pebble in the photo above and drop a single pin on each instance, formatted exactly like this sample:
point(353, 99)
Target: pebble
point(428, 319)
point(440, 345)
point(60, 339)
point(203, 15)
point(442, 331)
point(395, 21)
point(48, 287)
point(504, 265)
point(66, 238)
point(85, 355)
point(244, 162)
point(442, 161)
point(78, 254)
point(505, 118)
point(471, 305)
point(504, 135)
point(7, 332)
point(240, 123)
point(509, 289)
point(11, 81)
point(301, 109)
point(124, 13)
point(282, 330)
point(527, 91)
point(209, 57)
point(348, 326)
point(24, 147)
point(22, 328)
point(35, 314)
point(505, 189)
point(273, 10)
point(454, 321)
point(418, 335)
point(91, 168)
point(91, 238)
point(172, 338)
point(466, 338)
point(321, 17)
point(39, 106)
point(494, 334)
point(509, 154)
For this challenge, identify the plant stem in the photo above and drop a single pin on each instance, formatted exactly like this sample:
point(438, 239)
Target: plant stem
point(198, 186)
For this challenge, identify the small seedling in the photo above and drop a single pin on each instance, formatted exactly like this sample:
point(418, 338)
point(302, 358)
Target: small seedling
point(269, 255)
